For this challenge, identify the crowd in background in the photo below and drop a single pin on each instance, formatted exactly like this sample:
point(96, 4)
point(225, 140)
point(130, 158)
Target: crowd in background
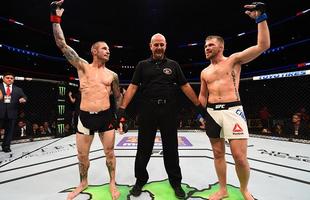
point(38, 117)
point(296, 126)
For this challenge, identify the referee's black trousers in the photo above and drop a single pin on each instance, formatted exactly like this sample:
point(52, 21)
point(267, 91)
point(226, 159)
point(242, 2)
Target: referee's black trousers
point(163, 117)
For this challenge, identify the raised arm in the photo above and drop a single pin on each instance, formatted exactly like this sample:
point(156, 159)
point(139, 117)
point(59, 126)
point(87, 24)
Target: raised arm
point(69, 53)
point(256, 11)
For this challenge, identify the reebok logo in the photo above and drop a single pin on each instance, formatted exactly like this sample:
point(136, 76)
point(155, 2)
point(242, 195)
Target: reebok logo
point(237, 130)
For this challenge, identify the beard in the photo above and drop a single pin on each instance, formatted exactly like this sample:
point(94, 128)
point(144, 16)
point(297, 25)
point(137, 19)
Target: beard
point(211, 55)
point(158, 54)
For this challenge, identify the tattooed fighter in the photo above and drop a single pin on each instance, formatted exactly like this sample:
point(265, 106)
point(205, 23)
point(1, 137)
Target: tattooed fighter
point(96, 84)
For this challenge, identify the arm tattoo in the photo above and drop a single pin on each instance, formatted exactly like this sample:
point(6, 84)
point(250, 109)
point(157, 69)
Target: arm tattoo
point(68, 52)
point(116, 91)
point(235, 85)
point(59, 36)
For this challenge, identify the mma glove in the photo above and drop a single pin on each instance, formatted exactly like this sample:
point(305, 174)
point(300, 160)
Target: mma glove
point(54, 18)
point(261, 7)
point(122, 118)
point(200, 110)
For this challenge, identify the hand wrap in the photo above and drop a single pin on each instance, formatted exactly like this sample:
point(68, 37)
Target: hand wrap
point(200, 110)
point(261, 7)
point(122, 118)
point(54, 18)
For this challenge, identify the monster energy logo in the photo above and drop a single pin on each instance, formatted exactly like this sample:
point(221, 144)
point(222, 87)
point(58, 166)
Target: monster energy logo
point(61, 128)
point(61, 109)
point(62, 90)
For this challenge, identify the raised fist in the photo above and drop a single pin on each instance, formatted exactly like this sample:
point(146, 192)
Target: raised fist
point(56, 11)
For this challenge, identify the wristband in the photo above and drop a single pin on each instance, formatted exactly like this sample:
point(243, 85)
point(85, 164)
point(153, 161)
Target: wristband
point(261, 18)
point(55, 19)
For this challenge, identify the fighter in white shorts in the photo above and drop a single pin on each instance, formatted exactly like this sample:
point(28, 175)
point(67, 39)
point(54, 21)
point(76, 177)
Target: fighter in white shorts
point(226, 120)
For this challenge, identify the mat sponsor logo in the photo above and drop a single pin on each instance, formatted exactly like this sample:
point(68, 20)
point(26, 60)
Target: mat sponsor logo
point(41, 152)
point(132, 141)
point(157, 190)
point(285, 155)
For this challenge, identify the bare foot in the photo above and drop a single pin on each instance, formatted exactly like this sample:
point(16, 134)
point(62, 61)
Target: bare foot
point(218, 195)
point(114, 192)
point(77, 191)
point(247, 195)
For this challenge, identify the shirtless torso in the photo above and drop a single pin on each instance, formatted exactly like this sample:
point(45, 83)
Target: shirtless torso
point(222, 81)
point(95, 87)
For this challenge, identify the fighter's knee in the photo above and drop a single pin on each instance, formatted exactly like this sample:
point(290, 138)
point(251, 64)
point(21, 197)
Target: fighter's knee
point(82, 157)
point(109, 153)
point(218, 154)
point(240, 160)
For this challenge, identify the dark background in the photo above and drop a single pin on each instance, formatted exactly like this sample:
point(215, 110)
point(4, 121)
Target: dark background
point(131, 23)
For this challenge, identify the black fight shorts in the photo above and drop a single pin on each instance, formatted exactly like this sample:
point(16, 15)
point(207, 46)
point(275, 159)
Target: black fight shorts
point(91, 122)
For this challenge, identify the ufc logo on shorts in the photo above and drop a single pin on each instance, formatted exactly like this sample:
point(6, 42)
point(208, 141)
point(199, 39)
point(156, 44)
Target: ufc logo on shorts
point(220, 106)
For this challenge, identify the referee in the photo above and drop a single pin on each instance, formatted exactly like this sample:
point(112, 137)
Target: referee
point(159, 79)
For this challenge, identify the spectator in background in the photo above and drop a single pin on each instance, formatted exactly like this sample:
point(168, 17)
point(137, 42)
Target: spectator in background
point(278, 130)
point(41, 131)
point(47, 128)
point(304, 115)
point(264, 116)
point(1, 133)
point(296, 128)
point(22, 130)
point(35, 130)
point(67, 129)
point(12, 97)
point(75, 99)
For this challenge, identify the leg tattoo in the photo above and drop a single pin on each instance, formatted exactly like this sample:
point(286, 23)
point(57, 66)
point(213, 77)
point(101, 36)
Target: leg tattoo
point(83, 171)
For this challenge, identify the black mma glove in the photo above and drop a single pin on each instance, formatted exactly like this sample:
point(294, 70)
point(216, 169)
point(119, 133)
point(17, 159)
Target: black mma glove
point(125, 125)
point(122, 118)
point(261, 7)
point(200, 110)
point(54, 18)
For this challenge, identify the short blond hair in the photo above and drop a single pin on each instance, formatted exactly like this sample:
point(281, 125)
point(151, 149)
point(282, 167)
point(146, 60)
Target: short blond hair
point(95, 45)
point(217, 37)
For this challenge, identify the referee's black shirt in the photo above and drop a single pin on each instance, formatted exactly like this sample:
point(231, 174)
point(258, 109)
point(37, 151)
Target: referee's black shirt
point(158, 78)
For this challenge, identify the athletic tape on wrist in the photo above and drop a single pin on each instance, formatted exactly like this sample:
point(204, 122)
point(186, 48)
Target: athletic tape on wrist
point(261, 18)
point(55, 19)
